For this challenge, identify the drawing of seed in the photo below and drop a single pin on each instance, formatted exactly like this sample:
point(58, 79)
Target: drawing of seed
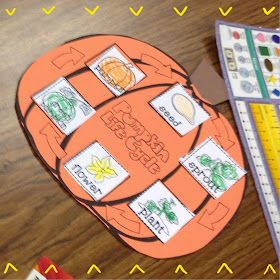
point(184, 107)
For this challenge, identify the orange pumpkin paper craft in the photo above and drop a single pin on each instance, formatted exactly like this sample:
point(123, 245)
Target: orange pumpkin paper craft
point(117, 73)
point(156, 75)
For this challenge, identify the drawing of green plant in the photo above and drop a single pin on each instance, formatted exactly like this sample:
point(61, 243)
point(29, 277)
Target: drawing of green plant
point(164, 207)
point(62, 105)
point(219, 171)
point(59, 107)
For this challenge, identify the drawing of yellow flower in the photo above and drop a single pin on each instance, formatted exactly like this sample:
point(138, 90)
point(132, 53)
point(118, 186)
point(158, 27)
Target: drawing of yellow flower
point(101, 168)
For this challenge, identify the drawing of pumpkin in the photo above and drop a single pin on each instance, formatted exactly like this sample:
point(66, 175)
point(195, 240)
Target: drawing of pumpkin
point(118, 74)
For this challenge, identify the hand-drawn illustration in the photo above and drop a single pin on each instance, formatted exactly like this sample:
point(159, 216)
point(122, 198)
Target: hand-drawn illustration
point(161, 211)
point(219, 171)
point(115, 70)
point(179, 109)
point(164, 207)
point(64, 105)
point(184, 107)
point(117, 73)
point(96, 171)
point(102, 169)
point(212, 167)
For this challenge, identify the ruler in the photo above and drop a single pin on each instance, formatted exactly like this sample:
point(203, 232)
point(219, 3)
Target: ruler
point(268, 128)
point(261, 126)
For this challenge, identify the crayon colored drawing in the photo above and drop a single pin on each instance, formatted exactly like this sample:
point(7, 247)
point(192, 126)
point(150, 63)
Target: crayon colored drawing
point(62, 105)
point(102, 169)
point(219, 171)
point(117, 73)
point(59, 107)
point(184, 107)
point(164, 207)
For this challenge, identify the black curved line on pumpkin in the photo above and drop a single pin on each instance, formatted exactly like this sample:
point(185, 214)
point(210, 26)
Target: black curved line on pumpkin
point(213, 107)
point(35, 150)
point(28, 112)
point(115, 202)
point(170, 174)
point(186, 77)
point(196, 137)
point(128, 92)
point(143, 239)
point(67, 139)
point(78, 72)
point(124, 36)
point(115, 230)
point(202, 204)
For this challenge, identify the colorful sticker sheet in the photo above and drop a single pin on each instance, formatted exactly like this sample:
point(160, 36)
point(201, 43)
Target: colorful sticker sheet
point(250, 59)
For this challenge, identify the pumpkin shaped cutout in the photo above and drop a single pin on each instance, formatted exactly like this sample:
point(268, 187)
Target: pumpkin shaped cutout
point(117, 73)
point(113, 210)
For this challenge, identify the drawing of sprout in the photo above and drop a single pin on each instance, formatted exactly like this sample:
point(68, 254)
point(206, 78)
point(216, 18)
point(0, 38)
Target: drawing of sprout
point(219, 171)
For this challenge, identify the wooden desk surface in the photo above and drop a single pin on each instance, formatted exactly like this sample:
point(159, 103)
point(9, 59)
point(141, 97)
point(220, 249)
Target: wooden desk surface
point(37, 217)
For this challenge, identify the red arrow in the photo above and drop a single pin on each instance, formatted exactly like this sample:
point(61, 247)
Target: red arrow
point(162, 69)
point(222, 134)
point(52, 139)
point(73, 56)
point(208, 219)
point(116, 214)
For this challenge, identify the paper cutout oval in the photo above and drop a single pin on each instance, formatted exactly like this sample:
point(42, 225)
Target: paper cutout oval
point(184, 107)
point(55, 148)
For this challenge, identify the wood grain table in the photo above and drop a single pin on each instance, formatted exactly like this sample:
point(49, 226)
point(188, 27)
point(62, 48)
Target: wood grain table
point(37, 217)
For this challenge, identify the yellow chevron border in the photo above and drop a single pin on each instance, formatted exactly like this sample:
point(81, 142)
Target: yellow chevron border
point(10, 12)
point(225, 13)
point(268, 12)
point(136, 12)
point(8, 267)
point(48, 11)
point(182, 12)
point(95, 267)
point(269, 269)
point(92, 11)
